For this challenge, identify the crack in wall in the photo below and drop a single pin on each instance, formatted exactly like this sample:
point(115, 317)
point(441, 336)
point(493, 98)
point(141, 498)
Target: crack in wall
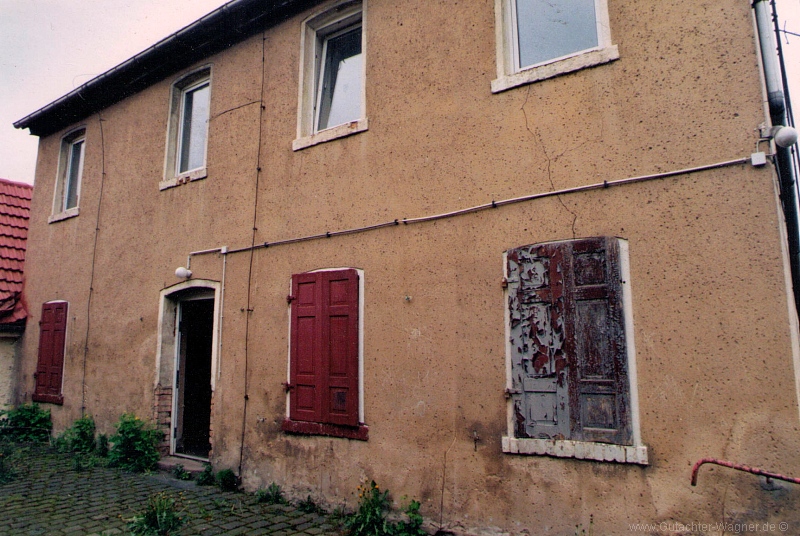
point(550, 160)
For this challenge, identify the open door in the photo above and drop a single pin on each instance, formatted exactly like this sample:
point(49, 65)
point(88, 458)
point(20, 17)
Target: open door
point(192, 410)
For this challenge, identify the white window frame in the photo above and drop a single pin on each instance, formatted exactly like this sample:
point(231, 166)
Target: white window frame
point(333, 19)
point(186, 84)
point(64, 178)
point(510, 75)
point(584, 450)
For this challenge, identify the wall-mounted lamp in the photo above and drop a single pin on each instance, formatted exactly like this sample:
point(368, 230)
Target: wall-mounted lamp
point(784, 136)
point(183, 273)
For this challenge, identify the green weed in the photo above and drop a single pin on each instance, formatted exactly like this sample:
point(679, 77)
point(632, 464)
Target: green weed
point(160, 518)
point(79, 437)
point(7, 472)
point(180, 472)
point(207, 477)
point(309, 506)
point(134, 446)
point(226, 480)
point(272, 495)
point(371, 517)
point(101, 448)
point(26, 423)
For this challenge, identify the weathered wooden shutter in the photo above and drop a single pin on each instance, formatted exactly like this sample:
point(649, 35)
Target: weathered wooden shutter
point(597, 340)
point(568, 357)
point(50, 365)
point(538, 363)
point(324, 347)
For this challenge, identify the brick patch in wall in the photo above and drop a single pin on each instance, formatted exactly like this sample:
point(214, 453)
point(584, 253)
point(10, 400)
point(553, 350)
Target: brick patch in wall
point(162, 415)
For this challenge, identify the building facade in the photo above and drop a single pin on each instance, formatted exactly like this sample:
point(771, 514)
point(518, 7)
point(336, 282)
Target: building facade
point(514, 261)
point(15, 204)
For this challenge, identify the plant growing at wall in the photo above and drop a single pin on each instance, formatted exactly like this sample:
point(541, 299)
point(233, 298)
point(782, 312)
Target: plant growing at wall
point(180, 472)
point(7, 473)
point(160, 518)
point(310, 506)
point(101, 448)
point(26, 423)
point(371, 517)
point(272, 495)
point(134, 446)
point(207, 477)
point(79, 437)
point(226, 480)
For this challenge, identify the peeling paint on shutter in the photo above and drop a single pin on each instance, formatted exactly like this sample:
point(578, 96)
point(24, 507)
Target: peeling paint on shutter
point(568, 358)
point(538, 364)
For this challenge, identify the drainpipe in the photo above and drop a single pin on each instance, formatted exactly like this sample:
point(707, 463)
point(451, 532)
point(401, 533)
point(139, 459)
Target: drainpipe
point(783, 156)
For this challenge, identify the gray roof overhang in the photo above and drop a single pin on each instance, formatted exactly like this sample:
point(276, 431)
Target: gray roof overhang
point(220, 29)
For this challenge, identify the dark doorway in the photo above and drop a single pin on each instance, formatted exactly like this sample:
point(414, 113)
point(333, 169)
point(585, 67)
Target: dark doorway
point(194, 378)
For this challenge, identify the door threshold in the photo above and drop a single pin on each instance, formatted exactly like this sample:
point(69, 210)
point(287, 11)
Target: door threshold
point(189, 457)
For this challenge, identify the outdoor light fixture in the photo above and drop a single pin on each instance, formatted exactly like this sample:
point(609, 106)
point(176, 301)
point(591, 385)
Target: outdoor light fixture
point(183, 273)
point(784, 136)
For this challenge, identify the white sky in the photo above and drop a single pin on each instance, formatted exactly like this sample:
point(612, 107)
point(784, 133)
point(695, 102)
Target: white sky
point(50, 47)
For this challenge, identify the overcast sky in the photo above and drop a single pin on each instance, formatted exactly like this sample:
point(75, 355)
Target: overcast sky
point(50, 47)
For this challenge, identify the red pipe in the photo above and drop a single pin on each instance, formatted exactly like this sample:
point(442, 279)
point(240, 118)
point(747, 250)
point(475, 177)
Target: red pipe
point(740, 467)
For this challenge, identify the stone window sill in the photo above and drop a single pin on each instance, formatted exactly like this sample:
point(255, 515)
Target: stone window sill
point(69, 213)
point(48, 399)
point(360, 432)
point(556, 68)
point(581, 450)
point(333, 133)
point(183, 178)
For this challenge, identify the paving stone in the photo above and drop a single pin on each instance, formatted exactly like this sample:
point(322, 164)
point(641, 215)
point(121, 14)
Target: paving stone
point(49, 498)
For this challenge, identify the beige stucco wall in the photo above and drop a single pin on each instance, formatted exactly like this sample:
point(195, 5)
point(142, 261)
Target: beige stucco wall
point(8, 371)
point(707, 273)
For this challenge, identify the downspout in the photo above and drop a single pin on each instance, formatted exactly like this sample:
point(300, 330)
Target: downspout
point(773, 79)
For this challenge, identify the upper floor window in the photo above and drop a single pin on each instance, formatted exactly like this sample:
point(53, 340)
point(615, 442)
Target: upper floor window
point(188, 129)
point(331, 100)
point(539, 39)
point(68, 181)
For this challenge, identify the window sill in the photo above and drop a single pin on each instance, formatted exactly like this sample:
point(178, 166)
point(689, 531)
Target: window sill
point(333, 133)
point(550, 70)
point(48, 399)
point(581, 450)
point(360, 432)
point(183, 178)
point(67, 214)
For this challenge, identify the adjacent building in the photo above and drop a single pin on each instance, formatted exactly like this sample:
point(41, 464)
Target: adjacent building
point(15, 204)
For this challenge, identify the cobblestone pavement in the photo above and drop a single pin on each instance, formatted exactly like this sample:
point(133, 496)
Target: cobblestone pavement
point(50, 497)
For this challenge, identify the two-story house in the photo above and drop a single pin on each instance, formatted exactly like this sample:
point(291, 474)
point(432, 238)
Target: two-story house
point(510, 257)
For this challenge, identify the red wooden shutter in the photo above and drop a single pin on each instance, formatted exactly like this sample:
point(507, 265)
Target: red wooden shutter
point(324, 348)
point(50, 366)
point(305, 370)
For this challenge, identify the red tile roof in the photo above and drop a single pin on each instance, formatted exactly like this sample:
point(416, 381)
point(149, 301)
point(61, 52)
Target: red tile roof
point(15, 206)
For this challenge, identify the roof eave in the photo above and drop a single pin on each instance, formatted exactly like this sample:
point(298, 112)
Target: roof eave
point(227, 25)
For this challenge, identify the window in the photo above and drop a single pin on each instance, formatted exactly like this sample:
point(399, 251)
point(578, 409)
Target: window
point(331, 102)
point(187, 134)
point(539, 39)
point(571, 386)
point(52, 340)
point(68, 181)
point(324, 365)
